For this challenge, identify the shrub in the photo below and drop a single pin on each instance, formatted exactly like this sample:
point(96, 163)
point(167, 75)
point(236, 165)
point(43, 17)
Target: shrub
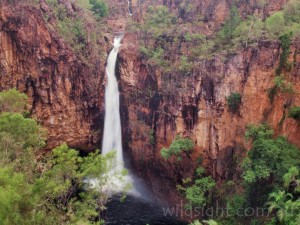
point(196, 192)
point(152, 137)
point(230, 25)
point(292, 11)
point(13, 101)
point(179, 145)
point(275, 24)
point(294, 112)
point(234, 101)
point(285, 42)
point(267, 161)
point(99, 7)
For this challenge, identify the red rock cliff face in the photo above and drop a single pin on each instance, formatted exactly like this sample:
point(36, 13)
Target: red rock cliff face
point(195, 105)
point(66, 94)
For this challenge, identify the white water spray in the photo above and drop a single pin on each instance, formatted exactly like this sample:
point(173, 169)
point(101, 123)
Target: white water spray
point(112, 138)
point(129, 8)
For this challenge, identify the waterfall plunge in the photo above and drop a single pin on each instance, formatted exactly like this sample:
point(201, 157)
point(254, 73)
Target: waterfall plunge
point(112, 138)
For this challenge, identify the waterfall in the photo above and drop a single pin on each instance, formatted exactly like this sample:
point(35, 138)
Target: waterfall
point(129, 7)
point(112, 138)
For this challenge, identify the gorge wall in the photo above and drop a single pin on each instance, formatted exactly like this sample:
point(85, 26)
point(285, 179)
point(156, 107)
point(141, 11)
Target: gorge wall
point(67, 93)
point(159, 106)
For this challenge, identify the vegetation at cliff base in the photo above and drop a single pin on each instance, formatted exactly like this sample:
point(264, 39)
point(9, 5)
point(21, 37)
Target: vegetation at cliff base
point(198, 190)
point(13, 101)
point(53, 188)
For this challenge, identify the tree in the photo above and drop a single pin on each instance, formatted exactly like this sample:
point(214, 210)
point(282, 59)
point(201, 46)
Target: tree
point(226, 33)
point(292, 11)
point(99, 7)
point(234, 100)
point(294, 112)
point(196, 192)
point(266, 163)
point(13, 101)
point(76, 188)
point(286, 204)
point(25, 131)
point(275, 24)
point(179, 145)
point(285, 41)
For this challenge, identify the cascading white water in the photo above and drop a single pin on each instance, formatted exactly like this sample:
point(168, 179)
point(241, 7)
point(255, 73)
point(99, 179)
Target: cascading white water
point(129, 8)
point(112, 138)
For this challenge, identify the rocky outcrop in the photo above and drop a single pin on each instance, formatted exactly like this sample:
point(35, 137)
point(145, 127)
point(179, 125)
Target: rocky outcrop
point(195, 106)
point(66, 94)
point(158, 105)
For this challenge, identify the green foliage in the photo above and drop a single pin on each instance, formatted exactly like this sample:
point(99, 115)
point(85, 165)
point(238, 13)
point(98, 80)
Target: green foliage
point(286, 204)
point(179, 145)
point(268, 156)
point(17, 203)
point(292, 179)
point(284, 86)
point(61, 193)
point(156, 57)
point(226, 33)
point(287, 210)
point(85, 4)
point(64, 182)
point(267, 161)
point(13, 101)
point(275, 24)
point(294, 112)
point(248, 31)
point(23, 130)
point(292, 11)
point(99, 7)
point(158, 20)
point(197, 192)
point(208, 222)
point(280, 84)
point(54, 189)
point(285, 41)
point(81, 30)
point(152, 137)
point(234, 203)
point(234, 101)
point(185, 67)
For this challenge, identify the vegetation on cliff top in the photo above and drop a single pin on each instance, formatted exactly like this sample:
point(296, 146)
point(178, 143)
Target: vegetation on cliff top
point(162, 34)
point(81, 27)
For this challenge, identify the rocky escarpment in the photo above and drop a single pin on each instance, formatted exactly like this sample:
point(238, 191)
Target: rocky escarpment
point(66, 93)
point(157, 105)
